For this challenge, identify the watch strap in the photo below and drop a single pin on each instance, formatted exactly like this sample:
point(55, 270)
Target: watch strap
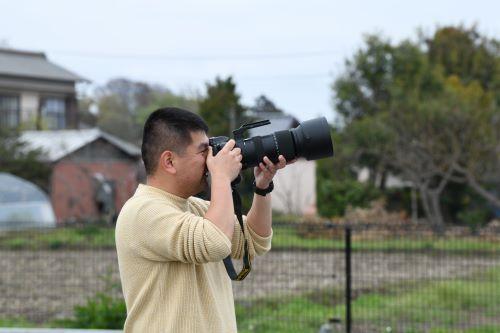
point(263, 192)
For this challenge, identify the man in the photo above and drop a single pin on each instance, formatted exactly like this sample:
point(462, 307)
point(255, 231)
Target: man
point(171, 245)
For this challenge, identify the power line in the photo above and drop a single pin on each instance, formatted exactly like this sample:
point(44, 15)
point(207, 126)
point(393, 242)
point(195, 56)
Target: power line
point(286, 76)
point(187, 57)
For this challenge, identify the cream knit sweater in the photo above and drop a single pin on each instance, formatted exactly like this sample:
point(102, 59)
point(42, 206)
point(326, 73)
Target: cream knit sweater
point(171, 268)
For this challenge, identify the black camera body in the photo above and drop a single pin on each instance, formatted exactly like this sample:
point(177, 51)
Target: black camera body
point(311, 140)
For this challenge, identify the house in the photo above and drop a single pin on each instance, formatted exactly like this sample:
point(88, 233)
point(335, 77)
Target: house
point(93, 173)
point(295, 185)
point(35, 93)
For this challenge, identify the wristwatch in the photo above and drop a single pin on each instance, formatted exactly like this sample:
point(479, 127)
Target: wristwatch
point(263, 192)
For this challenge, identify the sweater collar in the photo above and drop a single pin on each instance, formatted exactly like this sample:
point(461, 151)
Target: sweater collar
point(151, 190)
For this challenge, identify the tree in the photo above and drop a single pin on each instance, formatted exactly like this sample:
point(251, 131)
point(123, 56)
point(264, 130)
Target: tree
point(221, 107)
point(124, 106)
point(431, 120)
point(168, 98)
point(373, 78)
point(463, 52)
point(265, 105)
point(474, 61)
point(18, 159)
point(118, 102)
point(364, 89)
point(476, 121)
point(436, 140)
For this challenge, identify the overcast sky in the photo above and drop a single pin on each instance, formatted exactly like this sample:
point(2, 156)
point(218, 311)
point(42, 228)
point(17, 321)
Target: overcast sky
point(291, 51)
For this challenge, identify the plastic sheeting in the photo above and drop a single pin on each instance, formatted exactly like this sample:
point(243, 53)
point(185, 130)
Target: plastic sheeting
point(23, 204)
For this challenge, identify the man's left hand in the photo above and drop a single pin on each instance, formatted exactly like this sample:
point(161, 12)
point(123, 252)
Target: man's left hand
point(265, 172)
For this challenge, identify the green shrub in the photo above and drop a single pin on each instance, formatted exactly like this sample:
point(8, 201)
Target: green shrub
point(55, 244)
point(105, 310)
point(474, 218)
point(335, 196)
point(16, 243)
point(101, 311)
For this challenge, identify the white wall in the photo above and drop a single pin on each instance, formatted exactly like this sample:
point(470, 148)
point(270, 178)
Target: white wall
point(295, 188)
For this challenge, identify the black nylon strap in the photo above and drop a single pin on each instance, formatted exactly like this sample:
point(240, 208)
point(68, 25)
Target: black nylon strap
point(247, 264)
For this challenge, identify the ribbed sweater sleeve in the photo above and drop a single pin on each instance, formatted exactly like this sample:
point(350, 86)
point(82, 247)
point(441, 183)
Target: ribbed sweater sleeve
point(165, 233)
point(257, 245)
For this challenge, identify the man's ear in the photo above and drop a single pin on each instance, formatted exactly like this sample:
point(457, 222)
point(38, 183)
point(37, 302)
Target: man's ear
point(166, 162)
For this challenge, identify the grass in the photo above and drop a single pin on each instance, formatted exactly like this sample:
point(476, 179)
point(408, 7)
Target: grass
point(285, 237)
point(292, 315)
point(16, 322)
point(436, 307)
point(90, 237)
point(467, 305)
point(441, 302)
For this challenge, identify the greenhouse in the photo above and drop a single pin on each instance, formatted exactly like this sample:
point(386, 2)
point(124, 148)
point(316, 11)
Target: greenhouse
point(23, 205)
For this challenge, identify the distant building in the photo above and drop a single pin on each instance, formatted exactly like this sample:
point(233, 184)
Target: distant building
point(93, 173)
point(35, 92)
point(295, 185)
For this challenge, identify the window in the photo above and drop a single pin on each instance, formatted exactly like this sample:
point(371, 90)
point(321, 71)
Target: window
point(54, 113)
point(9, 111)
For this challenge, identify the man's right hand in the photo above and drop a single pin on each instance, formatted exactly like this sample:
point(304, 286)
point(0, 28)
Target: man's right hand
point(227, 162)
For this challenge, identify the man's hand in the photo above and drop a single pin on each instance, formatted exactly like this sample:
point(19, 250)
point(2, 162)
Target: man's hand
point(227, 162)
point(264, 173)
point(223, 167)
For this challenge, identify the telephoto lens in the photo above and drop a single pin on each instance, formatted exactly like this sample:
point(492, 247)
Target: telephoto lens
point(311, 140)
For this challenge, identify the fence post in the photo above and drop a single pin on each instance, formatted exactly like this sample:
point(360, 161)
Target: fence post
point(348, 280)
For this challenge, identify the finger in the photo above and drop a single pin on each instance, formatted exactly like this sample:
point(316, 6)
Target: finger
point(264, 169)
point(282, 162)
point(270, 170)
point(269, 164)
point(229, 146)
point(236, 150)
point(210, 152)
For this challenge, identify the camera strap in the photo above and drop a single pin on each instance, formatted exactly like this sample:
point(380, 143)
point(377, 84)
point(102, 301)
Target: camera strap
point(247, 264)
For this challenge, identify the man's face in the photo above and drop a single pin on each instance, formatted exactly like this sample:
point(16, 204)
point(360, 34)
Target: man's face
point(192, 164)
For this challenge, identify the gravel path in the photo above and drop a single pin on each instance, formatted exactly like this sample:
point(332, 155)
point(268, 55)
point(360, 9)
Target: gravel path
point(45, 285)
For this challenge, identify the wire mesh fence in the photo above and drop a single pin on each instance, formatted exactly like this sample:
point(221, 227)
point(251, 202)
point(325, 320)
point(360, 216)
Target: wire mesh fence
point(402, 278)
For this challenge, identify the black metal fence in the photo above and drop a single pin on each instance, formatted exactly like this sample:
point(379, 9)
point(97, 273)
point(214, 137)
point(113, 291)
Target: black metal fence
point(318, 277)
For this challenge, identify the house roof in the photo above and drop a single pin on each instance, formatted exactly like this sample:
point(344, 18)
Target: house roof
point(33, 65)
point(58, 144)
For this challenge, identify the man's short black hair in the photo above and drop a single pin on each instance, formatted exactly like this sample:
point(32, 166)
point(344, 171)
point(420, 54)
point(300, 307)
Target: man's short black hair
point(168, 129)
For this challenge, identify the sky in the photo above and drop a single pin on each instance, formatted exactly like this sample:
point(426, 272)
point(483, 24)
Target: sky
point(290, 51)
